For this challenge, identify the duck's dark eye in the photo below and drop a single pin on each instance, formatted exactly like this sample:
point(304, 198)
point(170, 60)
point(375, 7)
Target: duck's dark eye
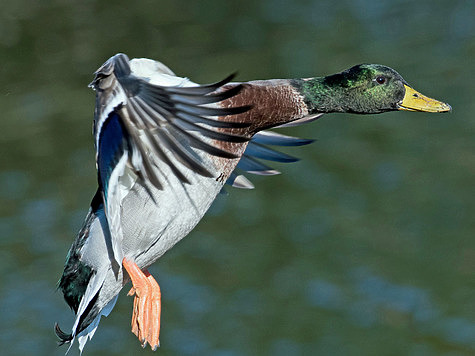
point(380, 79)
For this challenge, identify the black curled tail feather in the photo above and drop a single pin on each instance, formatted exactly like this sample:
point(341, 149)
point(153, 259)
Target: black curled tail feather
point(64, 338)
point(86, 318)
point(77, 275)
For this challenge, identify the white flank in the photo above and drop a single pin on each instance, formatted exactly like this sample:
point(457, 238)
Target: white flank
point(115, 193)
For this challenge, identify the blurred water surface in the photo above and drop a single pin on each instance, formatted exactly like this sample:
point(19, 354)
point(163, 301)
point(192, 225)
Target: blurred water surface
point(365, 247)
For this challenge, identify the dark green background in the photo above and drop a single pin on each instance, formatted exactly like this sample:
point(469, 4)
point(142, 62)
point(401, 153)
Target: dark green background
point(365, 247)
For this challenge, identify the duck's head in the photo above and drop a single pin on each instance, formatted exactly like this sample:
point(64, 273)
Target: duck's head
point(372, 89)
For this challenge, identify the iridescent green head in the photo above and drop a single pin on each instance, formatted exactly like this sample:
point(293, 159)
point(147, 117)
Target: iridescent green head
point(366, 89)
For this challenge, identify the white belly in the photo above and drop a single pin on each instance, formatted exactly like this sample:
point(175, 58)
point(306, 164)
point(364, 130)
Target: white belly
point(152, 228)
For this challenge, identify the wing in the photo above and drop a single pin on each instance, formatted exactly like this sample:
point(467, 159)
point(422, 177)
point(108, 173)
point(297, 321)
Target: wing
point(159, 119)
point(258, 149)
point(139, 126)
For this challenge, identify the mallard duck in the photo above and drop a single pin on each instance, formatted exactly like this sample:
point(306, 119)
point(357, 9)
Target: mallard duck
point(165, 147)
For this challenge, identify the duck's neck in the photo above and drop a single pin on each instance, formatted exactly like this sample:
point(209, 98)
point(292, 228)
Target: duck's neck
point(279, 101)
point(323, 96)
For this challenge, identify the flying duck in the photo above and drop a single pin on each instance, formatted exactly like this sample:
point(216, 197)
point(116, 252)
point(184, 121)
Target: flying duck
point(166, 146)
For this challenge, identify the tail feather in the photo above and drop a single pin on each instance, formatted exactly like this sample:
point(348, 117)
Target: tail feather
point(88, 332)
point(64, 338)
point(86, 323)
point(88, 283)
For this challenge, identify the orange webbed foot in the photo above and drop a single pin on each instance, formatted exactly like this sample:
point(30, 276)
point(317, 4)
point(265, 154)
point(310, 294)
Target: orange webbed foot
point(147, 305)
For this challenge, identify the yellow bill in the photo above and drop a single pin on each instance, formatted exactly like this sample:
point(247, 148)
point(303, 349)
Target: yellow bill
point(415, 101)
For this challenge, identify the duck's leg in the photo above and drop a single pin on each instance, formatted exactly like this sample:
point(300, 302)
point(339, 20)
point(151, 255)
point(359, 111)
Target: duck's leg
point(147, 305)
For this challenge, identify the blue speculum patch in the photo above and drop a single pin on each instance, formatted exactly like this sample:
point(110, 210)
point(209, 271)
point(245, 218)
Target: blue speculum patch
point(112, 144)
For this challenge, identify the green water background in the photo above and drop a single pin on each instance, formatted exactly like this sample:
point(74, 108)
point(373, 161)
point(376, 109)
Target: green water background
point(364, 247)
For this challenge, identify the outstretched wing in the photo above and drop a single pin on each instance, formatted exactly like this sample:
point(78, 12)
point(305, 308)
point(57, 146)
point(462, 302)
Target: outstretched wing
point(257, 150)
point(158, 119)
point(139, 126)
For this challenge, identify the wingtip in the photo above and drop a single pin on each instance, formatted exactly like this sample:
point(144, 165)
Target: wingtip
point(230, 77)
point(306, 141)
